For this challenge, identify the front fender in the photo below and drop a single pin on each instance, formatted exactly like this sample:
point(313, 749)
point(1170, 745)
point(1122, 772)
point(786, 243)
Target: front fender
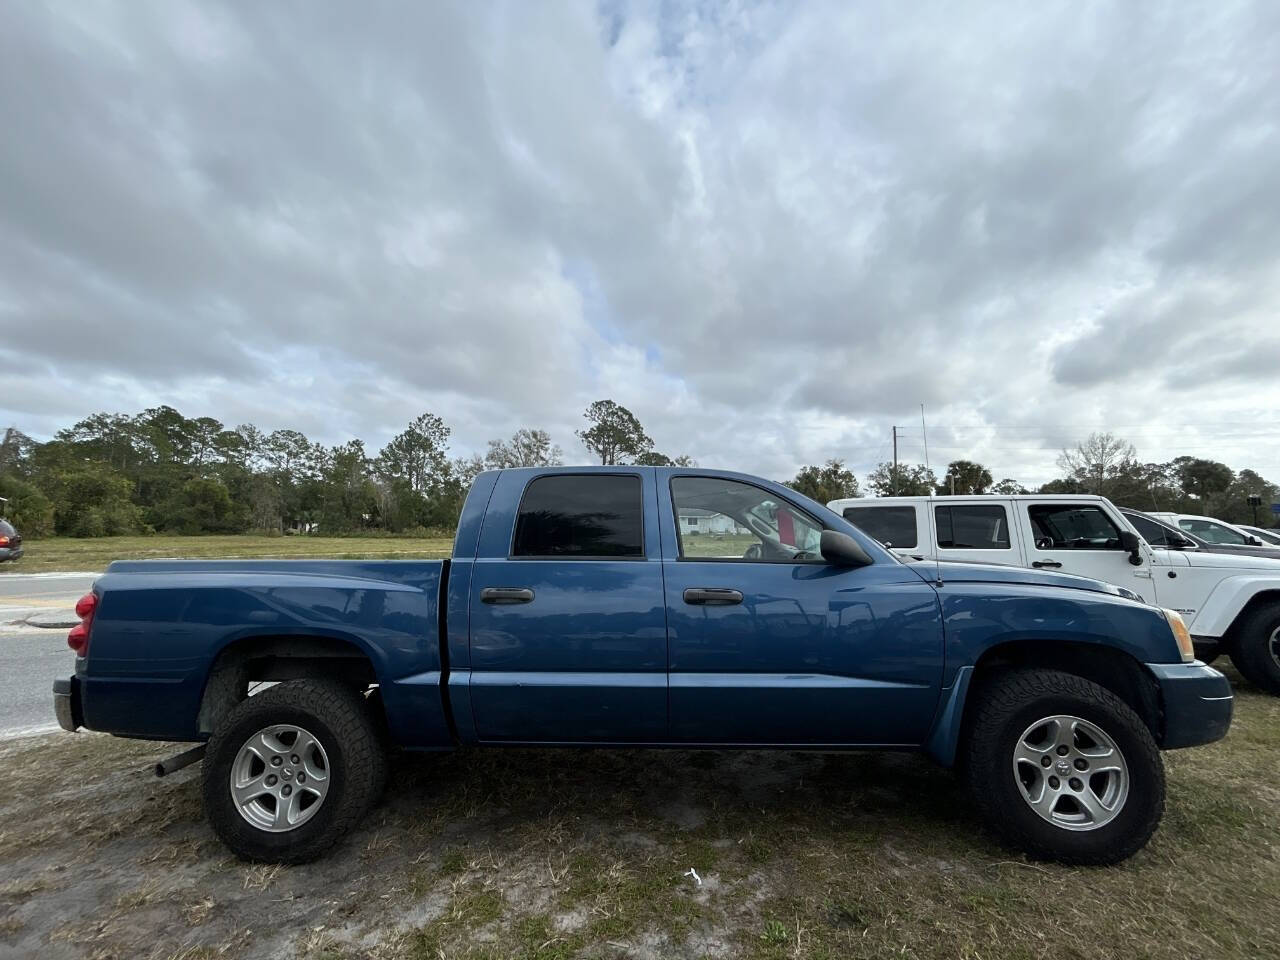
point(1228, 598)
point(979, 616)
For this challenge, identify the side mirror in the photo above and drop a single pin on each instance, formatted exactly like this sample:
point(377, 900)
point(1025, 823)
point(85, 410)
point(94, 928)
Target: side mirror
point(1254, 541)
point(1129, 541)
point(842, 550)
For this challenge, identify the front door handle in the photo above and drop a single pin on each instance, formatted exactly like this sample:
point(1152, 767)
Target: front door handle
point(1045, 563)
point(713, 596)
point(506, 595)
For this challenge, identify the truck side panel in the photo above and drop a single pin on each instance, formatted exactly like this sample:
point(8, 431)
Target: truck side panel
point(161, 625)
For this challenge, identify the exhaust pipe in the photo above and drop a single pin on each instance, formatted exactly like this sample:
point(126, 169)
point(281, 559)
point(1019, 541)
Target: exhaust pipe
point(184, 759)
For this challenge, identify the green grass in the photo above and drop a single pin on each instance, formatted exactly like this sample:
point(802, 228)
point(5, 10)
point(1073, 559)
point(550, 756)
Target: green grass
point(93, 554)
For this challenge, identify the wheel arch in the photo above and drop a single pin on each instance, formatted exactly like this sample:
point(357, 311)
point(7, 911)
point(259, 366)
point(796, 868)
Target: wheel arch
point(1112, 669)
point(276, 657)
point(1260, 599)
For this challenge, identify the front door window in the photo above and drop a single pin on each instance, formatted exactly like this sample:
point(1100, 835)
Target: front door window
point(720, 519)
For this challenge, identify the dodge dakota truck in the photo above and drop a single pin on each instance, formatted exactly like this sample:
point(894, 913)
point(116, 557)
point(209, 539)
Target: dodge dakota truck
point(643, 607)
point(1230, 602)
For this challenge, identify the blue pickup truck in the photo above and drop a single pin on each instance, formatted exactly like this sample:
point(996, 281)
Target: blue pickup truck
point(644, 607)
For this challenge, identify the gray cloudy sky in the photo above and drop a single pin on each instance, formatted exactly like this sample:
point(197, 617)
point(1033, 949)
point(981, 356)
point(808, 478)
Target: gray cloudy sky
point(771, 230)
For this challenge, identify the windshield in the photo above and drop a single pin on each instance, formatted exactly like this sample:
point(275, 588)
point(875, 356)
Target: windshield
point(1212, 531)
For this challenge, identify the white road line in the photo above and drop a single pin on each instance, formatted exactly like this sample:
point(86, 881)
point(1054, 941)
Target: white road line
point(50, 576)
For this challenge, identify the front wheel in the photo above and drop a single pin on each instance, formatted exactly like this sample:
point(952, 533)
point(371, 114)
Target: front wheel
point(291, 770)
point(1063, 769)
point(1256, 651)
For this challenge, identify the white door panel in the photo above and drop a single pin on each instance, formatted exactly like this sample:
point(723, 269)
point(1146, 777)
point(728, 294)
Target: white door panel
point(1081, 538)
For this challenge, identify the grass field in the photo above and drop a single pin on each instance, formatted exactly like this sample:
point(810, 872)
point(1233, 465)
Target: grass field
point(565, 854)
point(67, 553)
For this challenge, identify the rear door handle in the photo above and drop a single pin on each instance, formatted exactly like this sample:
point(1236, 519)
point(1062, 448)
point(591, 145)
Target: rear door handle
point(712, 596)
point(1045, 563)
point(506, 595)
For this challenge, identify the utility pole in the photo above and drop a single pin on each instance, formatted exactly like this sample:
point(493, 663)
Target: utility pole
point(895, 461)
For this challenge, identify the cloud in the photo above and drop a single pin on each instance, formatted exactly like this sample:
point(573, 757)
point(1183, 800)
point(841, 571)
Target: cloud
point(770, 231)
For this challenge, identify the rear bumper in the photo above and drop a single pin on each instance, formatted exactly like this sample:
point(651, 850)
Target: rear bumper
point(10, 553)
point(66, 704)
point(1197, 703)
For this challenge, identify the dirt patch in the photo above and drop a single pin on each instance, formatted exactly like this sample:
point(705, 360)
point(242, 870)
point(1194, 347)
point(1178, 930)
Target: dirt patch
point(557, 854)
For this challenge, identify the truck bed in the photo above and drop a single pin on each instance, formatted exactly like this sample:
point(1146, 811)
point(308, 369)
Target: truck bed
point(162, 623)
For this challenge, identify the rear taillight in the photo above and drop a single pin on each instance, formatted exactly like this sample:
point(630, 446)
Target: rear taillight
point(78, 638)
point(4, 541)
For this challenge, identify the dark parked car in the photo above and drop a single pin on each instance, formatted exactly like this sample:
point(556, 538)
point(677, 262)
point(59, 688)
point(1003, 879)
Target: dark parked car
point(10, 542)
point(1160, 534)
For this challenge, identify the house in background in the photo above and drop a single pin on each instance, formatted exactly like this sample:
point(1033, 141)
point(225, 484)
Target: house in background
point(694, 520)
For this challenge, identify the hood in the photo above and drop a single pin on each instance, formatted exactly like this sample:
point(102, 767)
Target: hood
point(1237, 560)
point(954, 571)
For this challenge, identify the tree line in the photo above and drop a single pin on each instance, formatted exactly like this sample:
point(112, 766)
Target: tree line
point(159, 471)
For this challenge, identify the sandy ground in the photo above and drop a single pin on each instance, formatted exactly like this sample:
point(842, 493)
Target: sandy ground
point(557, 854)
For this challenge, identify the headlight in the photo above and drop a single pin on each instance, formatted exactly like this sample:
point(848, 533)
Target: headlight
point(1181, 634)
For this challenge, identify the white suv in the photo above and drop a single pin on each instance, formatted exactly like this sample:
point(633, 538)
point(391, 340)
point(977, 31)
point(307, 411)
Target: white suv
point(1230, 602)
point(1207, 528)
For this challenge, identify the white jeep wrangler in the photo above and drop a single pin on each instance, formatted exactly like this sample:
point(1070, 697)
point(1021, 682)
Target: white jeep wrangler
point(1231, 603)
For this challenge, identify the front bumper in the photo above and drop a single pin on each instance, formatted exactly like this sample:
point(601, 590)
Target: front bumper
point(66, 704)
point(1197, 703)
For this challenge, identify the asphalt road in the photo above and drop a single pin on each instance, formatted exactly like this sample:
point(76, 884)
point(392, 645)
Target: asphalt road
point(31, 658)
point(30, 661)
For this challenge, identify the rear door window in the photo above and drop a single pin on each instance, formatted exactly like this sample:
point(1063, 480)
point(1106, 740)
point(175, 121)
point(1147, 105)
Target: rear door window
point(892, 525)
point(567, 516)
point(972, 527)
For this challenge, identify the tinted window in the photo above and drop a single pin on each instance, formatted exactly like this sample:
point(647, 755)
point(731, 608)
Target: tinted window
point(580, 516)
point(1071, 526)
point(1213, 532)
point(972, 527)
point(728, 520)
point(889, 525)
point(1154, 533)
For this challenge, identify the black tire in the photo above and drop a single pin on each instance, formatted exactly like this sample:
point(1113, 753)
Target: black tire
point(1006, 707)
point(1255, 653)
point(1208, 651)
point(340, 720)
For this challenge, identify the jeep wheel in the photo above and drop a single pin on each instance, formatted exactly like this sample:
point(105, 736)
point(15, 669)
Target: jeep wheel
point(1256, 651)
point(291, 770)
point(1063, 769)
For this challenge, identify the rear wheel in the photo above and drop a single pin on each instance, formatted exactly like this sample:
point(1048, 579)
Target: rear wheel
point(291, 770)
point(1256, 652)
point(1063, 769)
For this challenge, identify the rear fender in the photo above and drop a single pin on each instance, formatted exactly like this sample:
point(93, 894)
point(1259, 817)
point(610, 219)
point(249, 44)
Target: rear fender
point(157, 635)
